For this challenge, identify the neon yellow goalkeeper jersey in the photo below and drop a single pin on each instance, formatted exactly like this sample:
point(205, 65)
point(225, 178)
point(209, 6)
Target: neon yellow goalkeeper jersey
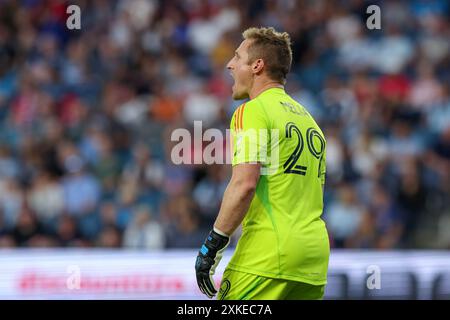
point(283, 235)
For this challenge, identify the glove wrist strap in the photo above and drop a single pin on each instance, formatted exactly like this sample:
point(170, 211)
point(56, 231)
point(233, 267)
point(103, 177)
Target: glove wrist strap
point(220, 232)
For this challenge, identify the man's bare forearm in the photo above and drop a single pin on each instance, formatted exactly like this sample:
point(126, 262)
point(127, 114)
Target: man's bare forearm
point(235, 203)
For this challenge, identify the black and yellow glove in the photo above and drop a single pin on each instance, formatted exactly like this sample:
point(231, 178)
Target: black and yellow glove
point(208, 258)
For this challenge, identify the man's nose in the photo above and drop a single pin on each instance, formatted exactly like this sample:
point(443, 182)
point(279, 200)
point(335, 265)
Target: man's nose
point(229, 66)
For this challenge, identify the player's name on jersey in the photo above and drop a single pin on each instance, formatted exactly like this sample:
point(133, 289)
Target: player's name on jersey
point(294, 108)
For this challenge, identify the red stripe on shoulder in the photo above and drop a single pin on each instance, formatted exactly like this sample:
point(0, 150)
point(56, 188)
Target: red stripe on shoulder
point(241, 116)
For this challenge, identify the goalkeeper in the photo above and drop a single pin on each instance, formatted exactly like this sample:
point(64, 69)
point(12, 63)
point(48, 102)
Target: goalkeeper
point(276, 188)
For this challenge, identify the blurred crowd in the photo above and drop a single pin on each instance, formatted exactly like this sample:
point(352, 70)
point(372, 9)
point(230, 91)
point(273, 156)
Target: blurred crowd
point(86, 118)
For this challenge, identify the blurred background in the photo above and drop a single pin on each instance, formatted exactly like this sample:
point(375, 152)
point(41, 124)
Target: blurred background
point(86, 117)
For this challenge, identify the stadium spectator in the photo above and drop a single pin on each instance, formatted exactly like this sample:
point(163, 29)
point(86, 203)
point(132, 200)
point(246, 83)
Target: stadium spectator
point(144, 231)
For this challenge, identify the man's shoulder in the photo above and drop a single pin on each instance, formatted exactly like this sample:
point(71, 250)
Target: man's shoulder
point(250, 107)
point(249, 114)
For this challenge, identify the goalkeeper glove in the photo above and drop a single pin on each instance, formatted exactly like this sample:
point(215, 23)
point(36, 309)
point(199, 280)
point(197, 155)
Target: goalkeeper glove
point(208, 258)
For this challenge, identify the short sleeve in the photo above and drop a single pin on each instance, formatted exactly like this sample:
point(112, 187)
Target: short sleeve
point(249, 131)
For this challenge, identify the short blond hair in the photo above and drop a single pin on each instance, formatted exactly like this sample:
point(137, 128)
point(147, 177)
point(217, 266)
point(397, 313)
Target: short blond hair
point(273, 47)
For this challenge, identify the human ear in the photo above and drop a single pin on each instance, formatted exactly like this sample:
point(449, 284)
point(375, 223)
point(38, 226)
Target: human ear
point(257, 65)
